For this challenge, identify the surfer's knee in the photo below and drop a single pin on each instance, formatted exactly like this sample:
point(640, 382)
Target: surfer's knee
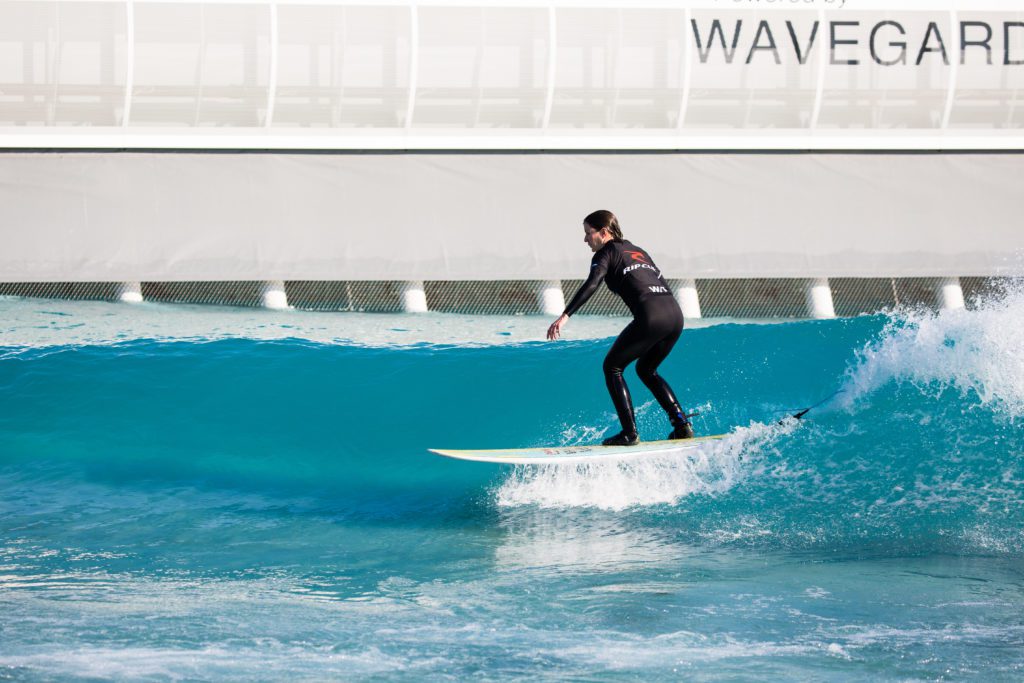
point(612, 367)
point(645, 371)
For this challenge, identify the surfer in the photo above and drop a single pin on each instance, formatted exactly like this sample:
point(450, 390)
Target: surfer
point(657, 323)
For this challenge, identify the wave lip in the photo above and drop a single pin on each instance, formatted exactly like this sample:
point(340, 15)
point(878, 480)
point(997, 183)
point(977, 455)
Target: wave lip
point(979, 354)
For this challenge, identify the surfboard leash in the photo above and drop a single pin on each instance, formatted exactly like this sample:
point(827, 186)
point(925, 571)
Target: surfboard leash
point(800, 413)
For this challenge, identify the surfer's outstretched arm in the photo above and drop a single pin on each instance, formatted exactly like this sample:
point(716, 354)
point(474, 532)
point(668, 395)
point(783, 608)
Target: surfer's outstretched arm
point(598, 269)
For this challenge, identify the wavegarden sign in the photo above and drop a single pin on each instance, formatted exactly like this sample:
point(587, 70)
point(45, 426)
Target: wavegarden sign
point(886, 42)
point(519, 74)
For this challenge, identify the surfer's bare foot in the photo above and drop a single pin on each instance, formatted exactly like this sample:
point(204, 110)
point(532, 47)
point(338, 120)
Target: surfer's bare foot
point(621, 439)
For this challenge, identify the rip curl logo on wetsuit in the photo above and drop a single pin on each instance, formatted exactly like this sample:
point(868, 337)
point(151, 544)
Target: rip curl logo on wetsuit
point(637, 256)
point(643, 262)
point(633, 267)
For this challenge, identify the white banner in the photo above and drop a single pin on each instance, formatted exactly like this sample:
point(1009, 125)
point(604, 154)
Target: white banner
point(177, 216)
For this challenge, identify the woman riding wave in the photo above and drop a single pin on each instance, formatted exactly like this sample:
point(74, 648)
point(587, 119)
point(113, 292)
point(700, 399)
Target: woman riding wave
point(657, 323)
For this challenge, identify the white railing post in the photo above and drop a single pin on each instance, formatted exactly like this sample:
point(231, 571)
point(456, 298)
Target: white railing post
point(129, 292)
point(414, 297)
point(550, 297)
point(273, 295)
point(819, 298)
point(951, 294)
point(686, 295)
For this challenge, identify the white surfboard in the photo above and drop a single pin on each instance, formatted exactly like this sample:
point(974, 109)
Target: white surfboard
point(550, 455)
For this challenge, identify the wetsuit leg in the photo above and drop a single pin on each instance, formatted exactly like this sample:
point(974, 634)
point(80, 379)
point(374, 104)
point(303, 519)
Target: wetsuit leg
point(670, 318)
point(631, 344)
point(649, 338)
point(647, 370)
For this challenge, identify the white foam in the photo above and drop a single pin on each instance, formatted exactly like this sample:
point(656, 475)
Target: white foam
point(976, 353)
point(984, 538)
point(579, 543)
point(837, 650)
point(640, 480)
point(681, 649)
point(894, 636)
point(229, 663)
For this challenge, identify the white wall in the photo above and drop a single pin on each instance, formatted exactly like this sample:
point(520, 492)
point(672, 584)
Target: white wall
point(186, 216)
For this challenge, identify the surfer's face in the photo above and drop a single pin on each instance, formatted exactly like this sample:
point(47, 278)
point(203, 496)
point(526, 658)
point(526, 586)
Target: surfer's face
point(595, 239)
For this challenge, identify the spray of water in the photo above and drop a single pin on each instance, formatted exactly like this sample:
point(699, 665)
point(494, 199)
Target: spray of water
point(979, 354)
point(662, 478)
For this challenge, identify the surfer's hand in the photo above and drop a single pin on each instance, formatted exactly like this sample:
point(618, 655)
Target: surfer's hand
point(555, 331)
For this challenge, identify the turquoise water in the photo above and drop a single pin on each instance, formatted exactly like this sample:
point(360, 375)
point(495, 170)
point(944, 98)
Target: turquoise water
point(253, 500)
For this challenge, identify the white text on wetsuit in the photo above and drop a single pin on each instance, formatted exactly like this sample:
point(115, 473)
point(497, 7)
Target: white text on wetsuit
point(639, 265)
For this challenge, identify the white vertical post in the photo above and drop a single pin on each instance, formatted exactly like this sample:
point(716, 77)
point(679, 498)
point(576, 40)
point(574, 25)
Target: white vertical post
point(272, 78)
point(954, 66)
point(686, 295)
point(414, 64)
point(819, 298)
point(550, 297)
point(823, 59)
point(951, 294)
point(414, 297)
point(129, 77)
point(129, 292)
point(273, 295)
point(200, 65)
point(612, 68)
point(54, 50)
point(549, 97)
point(684, 101)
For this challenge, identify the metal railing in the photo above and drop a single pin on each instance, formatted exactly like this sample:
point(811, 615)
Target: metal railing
point(757, 298)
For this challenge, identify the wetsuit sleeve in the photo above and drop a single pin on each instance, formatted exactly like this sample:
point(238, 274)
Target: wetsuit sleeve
point(598, 269)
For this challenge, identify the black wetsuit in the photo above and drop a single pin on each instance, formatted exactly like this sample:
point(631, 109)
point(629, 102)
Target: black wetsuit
point(657, 323)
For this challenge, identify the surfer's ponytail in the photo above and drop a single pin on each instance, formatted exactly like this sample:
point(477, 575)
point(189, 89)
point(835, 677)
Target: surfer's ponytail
point(604, 219)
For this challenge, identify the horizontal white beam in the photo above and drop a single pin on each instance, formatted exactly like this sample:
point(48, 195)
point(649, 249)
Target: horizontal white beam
point(723, 5)
point(255, 139)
